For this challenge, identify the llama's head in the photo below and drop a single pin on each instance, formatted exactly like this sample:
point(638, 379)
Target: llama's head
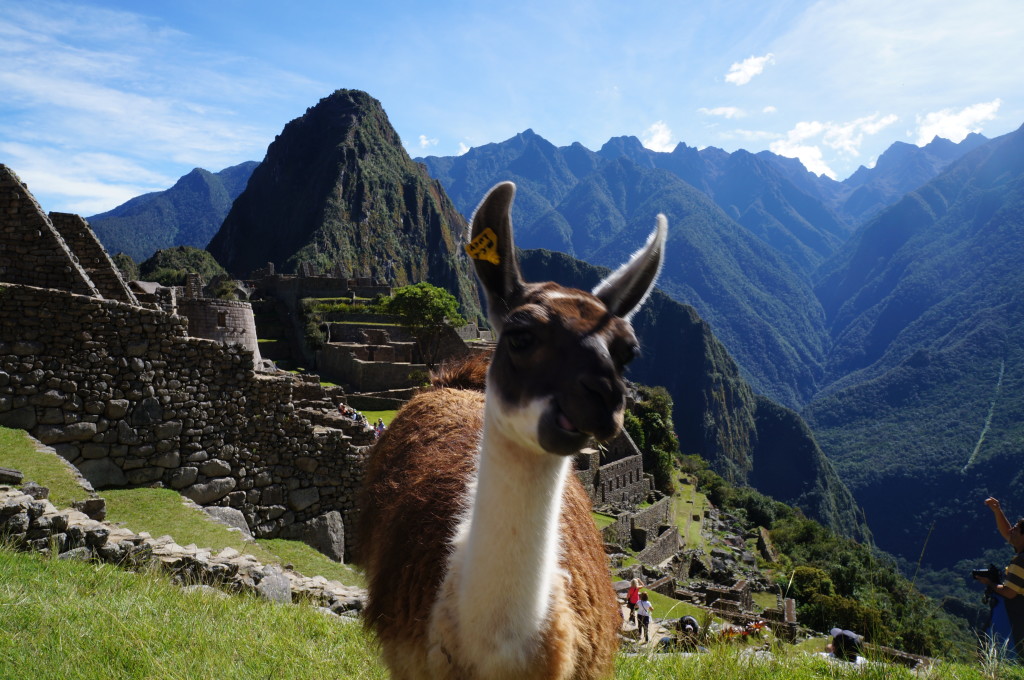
point(561, 352)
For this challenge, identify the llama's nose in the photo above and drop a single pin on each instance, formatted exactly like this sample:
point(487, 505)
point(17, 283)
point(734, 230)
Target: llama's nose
point(604, 389)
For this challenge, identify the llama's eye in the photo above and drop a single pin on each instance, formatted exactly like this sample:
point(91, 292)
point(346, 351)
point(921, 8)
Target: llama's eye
point(519, 341)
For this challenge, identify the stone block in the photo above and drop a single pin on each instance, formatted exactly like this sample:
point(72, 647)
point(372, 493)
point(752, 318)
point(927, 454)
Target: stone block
point(230, 516)
point(275, 585)
point(68, 452)
point(92, 450)
point(126, 434)
point(306, 464)
point(49, 398)
point(10, 476)
point(116, 409)
point(103, 473)
point(168, 430)
point(20, 418)
point(300, 499)
point(145, 475)
point(74, 432)
point(168, 459)
point(183, 477)
point(325, 533)
point(211, 491)
point(215, 468)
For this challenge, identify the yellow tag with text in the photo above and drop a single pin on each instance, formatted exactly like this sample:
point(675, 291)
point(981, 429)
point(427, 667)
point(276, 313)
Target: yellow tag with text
point(484, 247)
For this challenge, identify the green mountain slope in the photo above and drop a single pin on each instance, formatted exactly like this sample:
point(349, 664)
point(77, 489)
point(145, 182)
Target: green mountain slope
point(187, 214)
point(747, 438)
point(338, 190)
point(596, 206)
point(925, 416)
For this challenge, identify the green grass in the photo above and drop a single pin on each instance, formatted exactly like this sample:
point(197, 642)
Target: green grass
point(670, 608)
point(602, 520)
point(765, 600)
point(72, 620)
point(686, 502)
point(310, 562)
point(18, 452)
point(163, 512)
point(371, 416)
point(736, 662)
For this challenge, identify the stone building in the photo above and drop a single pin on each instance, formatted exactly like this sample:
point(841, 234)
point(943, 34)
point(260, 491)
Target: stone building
point(125, 393)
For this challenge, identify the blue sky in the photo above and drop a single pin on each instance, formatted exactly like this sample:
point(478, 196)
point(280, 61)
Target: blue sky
point(101, 101)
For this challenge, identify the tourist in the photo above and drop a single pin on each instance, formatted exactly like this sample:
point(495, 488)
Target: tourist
point(1013, 583)
point(632, 597)
point(644, 609)
point(845, 646)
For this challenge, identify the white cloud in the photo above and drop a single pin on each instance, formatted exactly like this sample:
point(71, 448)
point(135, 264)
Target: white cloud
point(426, 142)
point(955, 125)
point(92, 90)
point(88, 183)
point(809, 155)
point(742, 72)
point(723, 111)
point(749, 135)
point(658, 137)
point(806, 139)
point(463, 149)
point(769, 109)
point(849, 137)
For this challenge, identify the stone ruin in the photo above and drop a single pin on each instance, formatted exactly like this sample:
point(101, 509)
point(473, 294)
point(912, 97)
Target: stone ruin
point(128, 395)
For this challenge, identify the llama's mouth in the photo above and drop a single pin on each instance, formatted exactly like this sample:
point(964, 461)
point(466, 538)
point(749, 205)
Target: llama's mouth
point(565, 423)
point(558, 434)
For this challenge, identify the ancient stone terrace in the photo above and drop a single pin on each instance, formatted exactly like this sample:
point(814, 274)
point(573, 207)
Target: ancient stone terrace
point(130, 397)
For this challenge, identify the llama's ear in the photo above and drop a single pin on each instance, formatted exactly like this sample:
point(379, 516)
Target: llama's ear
point(493, 251)
point(626, 288)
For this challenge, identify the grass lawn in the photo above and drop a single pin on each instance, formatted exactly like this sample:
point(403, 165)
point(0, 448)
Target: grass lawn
point(17, 451)
point(163, 512)
point(371, 416)
point(687, 503)
point(80, 621)
point(602, 520)
point(74, 620)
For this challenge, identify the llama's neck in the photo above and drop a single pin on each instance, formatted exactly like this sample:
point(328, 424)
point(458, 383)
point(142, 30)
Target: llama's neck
point(509, 559)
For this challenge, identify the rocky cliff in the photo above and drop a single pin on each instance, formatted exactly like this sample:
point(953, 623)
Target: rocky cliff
point(337, 189)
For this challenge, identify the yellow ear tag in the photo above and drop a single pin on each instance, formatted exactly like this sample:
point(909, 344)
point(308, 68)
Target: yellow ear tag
point(484, 247)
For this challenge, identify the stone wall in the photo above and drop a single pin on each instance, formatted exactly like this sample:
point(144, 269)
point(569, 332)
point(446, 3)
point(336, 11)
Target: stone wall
point(125, 394)
point(291, 289)
point(339, 364)
point(92, 256)
point(622, 482)
point(661, 548)
point(32, 252)
point(229, 322)
point(31, 522)
point(640, 529)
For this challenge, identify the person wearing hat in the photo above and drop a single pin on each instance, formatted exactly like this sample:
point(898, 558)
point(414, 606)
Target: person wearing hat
point(846, 645)
point(1013, 583)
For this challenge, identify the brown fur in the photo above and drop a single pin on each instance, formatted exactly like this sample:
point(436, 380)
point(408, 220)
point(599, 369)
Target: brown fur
point(412, 499)
point(468, 373)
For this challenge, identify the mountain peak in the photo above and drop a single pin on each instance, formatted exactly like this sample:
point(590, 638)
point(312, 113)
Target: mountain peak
point(338, 190)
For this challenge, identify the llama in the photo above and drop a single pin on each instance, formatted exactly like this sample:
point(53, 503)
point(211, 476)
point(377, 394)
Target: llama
point(481, 555)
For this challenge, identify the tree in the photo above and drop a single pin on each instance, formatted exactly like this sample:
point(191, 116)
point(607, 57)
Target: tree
point(650, 426)
point(427, 311)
